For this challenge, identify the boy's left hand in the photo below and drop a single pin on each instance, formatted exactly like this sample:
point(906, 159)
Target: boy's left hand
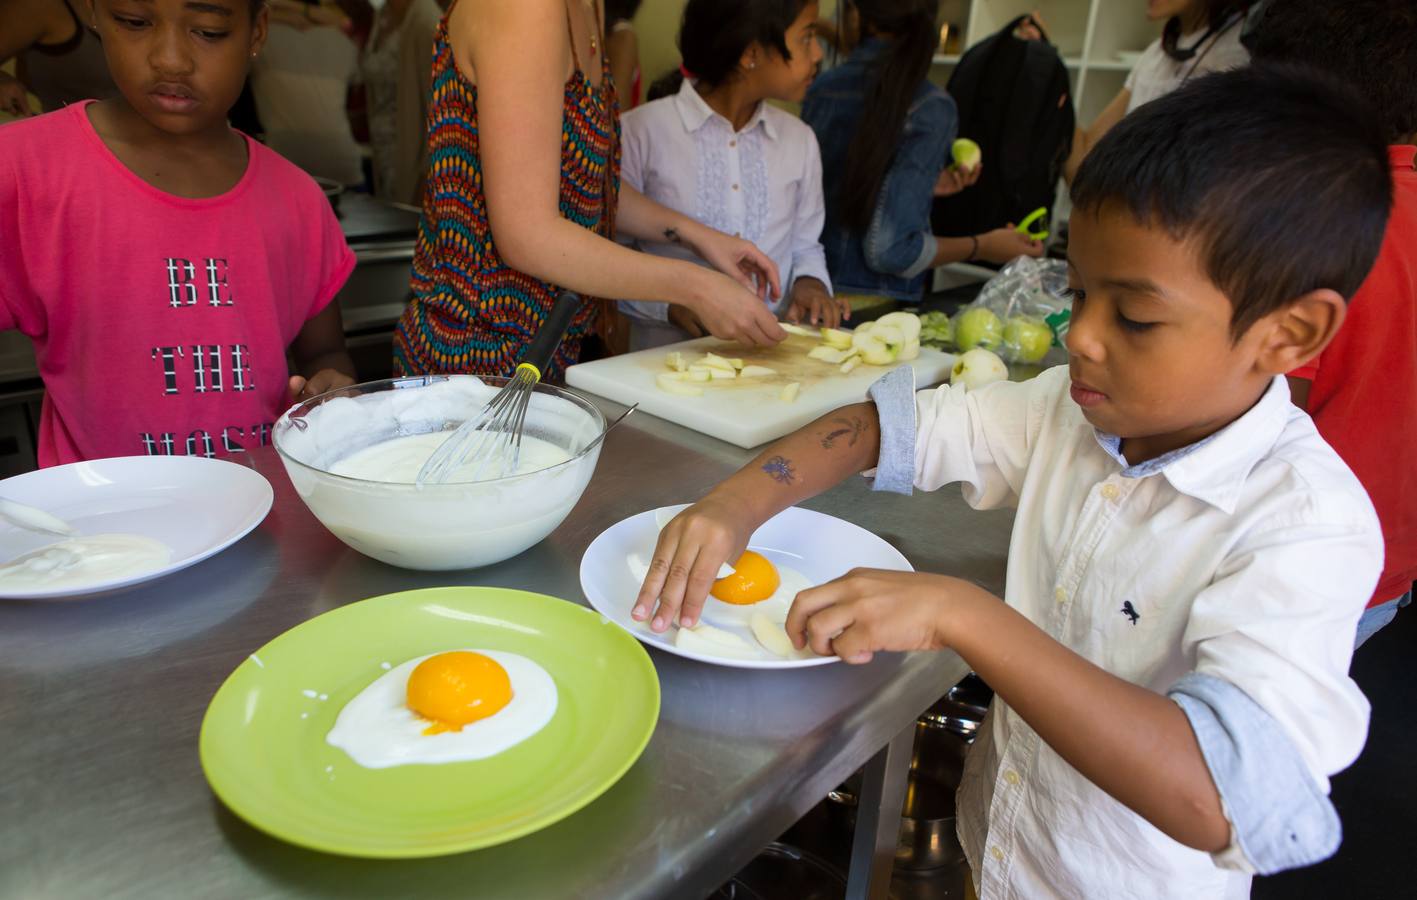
point(811, 303)
point(324, 380)
point(869, 610)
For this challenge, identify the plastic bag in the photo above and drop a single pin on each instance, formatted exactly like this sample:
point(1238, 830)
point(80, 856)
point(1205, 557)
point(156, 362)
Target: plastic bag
point(1020, 313)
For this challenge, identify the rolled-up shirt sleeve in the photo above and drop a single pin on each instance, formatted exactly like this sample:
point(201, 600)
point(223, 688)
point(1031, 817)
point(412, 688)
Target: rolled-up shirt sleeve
point(1270, 699)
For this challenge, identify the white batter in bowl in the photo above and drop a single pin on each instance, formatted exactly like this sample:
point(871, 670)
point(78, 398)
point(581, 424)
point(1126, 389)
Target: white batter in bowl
point(352, 455)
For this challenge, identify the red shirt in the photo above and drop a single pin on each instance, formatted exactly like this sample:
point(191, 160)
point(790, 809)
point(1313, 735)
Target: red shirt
point(1364, 394)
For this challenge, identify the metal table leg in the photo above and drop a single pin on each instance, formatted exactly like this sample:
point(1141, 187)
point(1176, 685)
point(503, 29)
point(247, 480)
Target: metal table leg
point(878, 819)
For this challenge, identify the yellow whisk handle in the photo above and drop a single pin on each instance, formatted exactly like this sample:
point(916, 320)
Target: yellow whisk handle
point(535, 372)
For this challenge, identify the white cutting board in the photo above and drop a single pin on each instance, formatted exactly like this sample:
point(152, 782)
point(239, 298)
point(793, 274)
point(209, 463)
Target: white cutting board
point(748, 412)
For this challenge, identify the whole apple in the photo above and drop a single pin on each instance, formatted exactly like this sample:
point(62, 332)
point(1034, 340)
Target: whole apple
point(978, 326)
point(1027, 338)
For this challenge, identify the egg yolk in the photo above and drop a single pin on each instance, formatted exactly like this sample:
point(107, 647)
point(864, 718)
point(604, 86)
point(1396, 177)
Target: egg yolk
point(754, 579)
point(456, 689)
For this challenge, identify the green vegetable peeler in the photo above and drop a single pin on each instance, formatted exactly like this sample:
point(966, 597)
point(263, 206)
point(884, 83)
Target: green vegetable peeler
point(1025, 226)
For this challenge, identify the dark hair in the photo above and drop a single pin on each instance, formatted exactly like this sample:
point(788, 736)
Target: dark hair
point(714, 34)
point(1217, 14)
point(1278, 173)
point(1371, 44)
point(616, 10)
point(892, 80)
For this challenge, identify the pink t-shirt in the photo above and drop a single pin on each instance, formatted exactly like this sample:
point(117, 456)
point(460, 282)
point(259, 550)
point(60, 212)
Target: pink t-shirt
point(160, 323)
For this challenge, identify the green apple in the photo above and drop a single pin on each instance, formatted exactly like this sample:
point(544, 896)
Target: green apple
point(978, 367)
point(978, 327)
point(835, 337)
point(1028, 338)
point(966, 154)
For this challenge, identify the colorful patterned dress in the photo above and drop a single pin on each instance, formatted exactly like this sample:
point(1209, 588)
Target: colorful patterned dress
point(470, 311)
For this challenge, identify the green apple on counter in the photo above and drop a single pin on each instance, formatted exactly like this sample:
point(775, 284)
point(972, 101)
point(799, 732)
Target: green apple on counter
point(1027, 338)
point(978, 326)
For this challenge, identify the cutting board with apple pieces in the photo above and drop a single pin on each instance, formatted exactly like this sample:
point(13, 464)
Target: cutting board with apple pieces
point(746, 396)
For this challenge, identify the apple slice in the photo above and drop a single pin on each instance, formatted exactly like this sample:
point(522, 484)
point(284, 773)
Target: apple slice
point(850, 364)
point(836, 337)
point(910, 351)
point(789, 393)
point(756, 372)
point(772, 636)
point(833, 355)
point(710, 641)
point(798, 330)
point(675, 361)
point(714, 361)
point(671, 385)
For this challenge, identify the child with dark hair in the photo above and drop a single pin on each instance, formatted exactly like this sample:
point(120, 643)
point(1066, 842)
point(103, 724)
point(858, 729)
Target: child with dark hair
point(885, 132)
point(1362, 390)
point(717, 152)
point(1189, 559)
point(162, 262)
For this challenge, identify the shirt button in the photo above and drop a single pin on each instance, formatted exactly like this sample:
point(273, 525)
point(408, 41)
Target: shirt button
point(1012, 777)
point(737, 234)
point(1110, 491)
point(1060, 595)
point(996, 853)
point(735, 187)
point(733, 143)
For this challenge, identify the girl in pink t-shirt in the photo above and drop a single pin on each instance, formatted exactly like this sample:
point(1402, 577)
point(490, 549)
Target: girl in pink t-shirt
point(162, 262)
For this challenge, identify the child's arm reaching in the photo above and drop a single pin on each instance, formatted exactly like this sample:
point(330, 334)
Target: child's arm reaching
point(320, 357)
point(1135, 744)
point(716, 529)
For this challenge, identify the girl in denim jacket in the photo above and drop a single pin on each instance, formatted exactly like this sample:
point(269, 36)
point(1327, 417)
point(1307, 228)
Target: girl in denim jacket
point(885, 133)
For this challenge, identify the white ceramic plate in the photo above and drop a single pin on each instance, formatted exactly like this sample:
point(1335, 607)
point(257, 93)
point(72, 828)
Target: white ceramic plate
point(819, 546)
point(197, 507)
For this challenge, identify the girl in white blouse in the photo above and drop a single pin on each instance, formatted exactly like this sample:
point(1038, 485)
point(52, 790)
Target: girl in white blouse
point(719, 153)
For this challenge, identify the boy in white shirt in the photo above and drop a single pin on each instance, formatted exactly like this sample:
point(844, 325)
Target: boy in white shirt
point(1189, 559)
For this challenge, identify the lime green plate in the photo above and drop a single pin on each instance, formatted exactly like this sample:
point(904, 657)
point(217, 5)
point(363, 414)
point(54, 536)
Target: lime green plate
point(263, 739)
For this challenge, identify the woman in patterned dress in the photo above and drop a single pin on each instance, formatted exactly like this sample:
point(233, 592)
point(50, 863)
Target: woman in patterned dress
point(523, 195)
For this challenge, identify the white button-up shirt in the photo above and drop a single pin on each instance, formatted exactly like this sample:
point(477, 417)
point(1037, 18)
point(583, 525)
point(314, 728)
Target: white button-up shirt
point(1247, 557)
point(763, 183)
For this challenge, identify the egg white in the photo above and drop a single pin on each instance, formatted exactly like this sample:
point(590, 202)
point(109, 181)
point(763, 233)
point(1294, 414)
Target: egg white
point(378, 730)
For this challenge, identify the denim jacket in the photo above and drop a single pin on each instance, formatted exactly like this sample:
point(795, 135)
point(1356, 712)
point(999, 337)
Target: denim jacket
point(894, 255)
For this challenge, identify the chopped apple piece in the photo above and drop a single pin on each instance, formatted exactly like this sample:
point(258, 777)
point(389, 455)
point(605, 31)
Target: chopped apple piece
point(698, 373)
point(850, 364)
point(714, 361)
point(756, 372)
point(830, 354)
point(889, 335)
point(675, 361)
point(798, 330)
point(789, 393)
point(710, 641)
point(668, 383)
point(835, 337)
point(772, 636)
point(910, 351)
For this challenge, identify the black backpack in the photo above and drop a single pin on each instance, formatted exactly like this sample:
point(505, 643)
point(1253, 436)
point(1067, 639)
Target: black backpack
point(1015, 102)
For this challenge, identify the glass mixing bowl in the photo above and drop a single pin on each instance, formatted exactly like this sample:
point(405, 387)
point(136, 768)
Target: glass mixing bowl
point(455, 525)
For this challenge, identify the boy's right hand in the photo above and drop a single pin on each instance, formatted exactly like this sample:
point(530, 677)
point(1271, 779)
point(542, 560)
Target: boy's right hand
point(691, 548)
point(1003, 245)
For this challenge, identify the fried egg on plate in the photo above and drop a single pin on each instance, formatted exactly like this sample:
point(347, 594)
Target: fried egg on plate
point(446, 707)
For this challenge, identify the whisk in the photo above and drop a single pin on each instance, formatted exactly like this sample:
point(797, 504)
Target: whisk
point(494, 435)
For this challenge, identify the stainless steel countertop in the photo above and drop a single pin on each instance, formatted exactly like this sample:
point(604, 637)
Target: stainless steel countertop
point(101, 701)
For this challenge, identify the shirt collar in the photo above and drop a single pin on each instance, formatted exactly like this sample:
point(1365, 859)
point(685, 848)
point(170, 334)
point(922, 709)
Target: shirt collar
point(1214, 469)
point(695, 113)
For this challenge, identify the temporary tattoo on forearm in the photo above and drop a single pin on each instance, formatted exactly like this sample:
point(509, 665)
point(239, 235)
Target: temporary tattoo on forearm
point(780, 469)
point(850, 429)
point(672, 236)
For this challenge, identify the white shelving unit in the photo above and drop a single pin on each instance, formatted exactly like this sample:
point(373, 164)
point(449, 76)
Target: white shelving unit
point(1088, 33)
